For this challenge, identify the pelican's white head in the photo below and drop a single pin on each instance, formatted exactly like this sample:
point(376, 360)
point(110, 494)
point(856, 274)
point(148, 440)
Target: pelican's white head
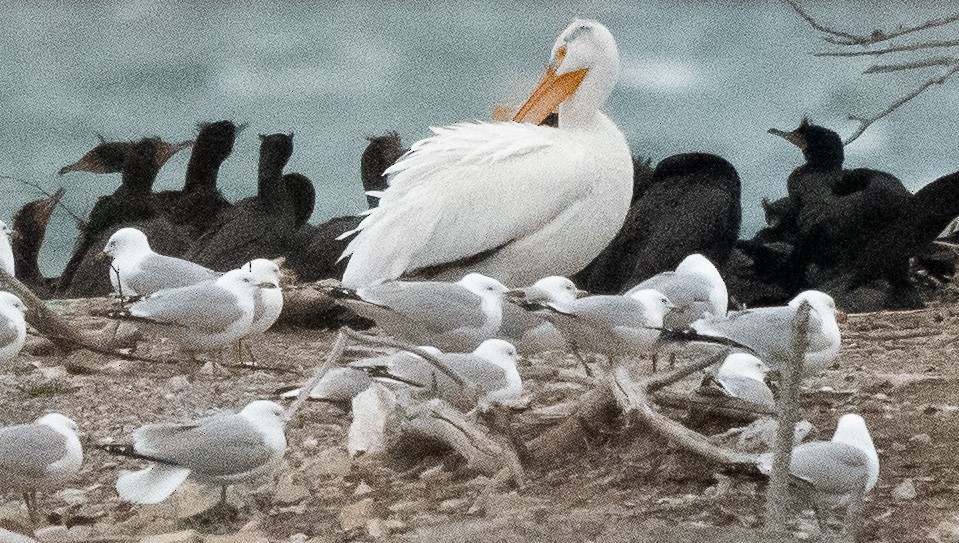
point(127, 242)
point(697, 264)
point(583, 69)
point(264, 271)
point(851, 430)
point(655, 304)
point(11, 300)
point(743, 365)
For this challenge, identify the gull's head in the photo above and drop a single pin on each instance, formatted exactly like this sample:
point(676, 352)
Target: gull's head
point(264, 271)
point(262, 409)
point(558, 289)
point(655, 304)
point(697, 264)
point(127, 241)
point(8, 299)
point(58, 422)
point(820, 301)
point(483, 286)
point(851, 430)
point(238, 278)
point(743, 365)
point(499, 352)
point(583, 69)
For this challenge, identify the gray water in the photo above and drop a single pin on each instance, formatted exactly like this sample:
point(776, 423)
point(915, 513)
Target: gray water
point(696, 76)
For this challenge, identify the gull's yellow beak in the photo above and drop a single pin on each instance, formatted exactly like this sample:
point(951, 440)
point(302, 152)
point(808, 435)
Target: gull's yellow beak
point(551, 92)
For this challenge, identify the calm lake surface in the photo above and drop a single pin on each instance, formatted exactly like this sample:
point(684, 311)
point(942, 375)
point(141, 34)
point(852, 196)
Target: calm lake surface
point(696, 76)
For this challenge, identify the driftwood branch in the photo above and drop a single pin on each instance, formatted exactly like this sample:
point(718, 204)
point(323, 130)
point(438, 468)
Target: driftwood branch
point(866, 122)
point(932, 62)
point(468, 389)
point(723, 406)
point(841, 37)
point(907, 48)
point(777, 496)
point(80, 222)
point(40, 317)
point(332, 358)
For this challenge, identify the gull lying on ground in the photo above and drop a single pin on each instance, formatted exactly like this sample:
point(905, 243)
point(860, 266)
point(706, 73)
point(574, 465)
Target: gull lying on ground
point(13, 326)
point(454, 317)
point(530, 333)
point(696, 290)
point(6, 251)
point(138, 271)
point(743, 376)
point(42, 455)
point(220, 450)
point(768, 331)
point(614, 326)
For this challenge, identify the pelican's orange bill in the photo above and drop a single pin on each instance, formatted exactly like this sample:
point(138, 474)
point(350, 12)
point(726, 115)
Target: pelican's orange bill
point(550, 93)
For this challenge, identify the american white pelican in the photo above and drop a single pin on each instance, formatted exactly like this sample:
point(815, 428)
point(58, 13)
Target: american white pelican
point(512, 200)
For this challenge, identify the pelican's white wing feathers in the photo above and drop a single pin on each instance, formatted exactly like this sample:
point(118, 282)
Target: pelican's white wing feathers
point(470, 188)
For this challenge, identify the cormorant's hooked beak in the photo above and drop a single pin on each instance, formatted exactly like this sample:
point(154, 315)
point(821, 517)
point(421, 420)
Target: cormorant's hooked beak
point(552, 91)
point(792, 137)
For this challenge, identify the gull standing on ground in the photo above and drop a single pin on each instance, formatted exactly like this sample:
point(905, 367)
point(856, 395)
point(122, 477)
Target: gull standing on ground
point(695, 288)
point(529, 332)
point(220, 450)
point(513, 200)
point(614, 326)
point(6, 250)
point(268, 303)
point(13, 326)
point(453, 317)
point(137, 271)
point(768, 331)
point(743, 376)
point(204, 316)
point(837, 472)
point(39, 456)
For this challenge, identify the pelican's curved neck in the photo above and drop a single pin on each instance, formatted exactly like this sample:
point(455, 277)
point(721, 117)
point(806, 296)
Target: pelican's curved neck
point(584, 107)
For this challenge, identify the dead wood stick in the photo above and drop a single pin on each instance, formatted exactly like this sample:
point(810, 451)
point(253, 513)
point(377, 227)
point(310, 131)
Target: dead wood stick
point(333, 357)
point(39, 316)
point(426, 355)
point(777, 495)
point(633, 399)
point(724, 406)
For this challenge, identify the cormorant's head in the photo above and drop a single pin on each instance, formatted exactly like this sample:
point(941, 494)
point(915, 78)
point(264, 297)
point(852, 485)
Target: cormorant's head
point(821, 147)
point(215, 141)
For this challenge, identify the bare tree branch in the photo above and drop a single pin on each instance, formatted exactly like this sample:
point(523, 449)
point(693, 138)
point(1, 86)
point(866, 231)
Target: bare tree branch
point(920, 46)
point(912, 65)
point(840, 37)
point(865, 122)
point(80, 222)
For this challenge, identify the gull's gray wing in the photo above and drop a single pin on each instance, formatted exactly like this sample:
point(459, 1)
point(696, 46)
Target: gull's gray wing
point(158, 272)
point(608, 312)
point(437, 306)
point(27, 449)
point(340, 385)
point(8, 331)
point(482, 374)
point(830, 467)
point(688, 292)
point(215, 446)
point(766, 330)
point(517, 321)
point(206, 306)
point(748, 390)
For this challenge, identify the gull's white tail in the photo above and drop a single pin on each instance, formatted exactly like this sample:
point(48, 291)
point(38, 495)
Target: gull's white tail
point(150, 485)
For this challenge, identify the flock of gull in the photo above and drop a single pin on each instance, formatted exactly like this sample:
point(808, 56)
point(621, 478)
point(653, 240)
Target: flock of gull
point(468, 254)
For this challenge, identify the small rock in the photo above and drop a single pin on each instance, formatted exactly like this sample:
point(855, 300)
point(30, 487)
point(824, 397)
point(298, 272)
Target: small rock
point(254, 536)
point(39, 346)
point(288, 492)
point(946, 531)
point(362, 489)
point(905, 491)
point(922, 439)
point(356, 515)
point(452, 505)
point(72, 496)
point(406, 506)
point(377, 529)
point(178, 383)
point(435, 473)
point(183, 536)
point(299, 538)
